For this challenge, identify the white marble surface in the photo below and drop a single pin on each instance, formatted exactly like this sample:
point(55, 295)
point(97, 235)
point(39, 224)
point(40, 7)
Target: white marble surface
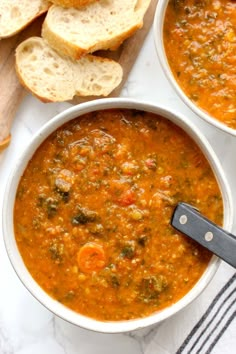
point(26, 327)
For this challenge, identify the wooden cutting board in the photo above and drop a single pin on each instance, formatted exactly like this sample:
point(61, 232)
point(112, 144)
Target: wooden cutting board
point(11, 91)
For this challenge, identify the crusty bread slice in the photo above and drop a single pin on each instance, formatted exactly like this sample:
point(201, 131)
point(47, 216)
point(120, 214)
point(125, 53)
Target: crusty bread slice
point(16, 15)
point(104, 24)
point(72, 3)
point(53, 78)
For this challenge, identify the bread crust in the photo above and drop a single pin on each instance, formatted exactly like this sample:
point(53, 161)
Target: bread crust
point(72, 3)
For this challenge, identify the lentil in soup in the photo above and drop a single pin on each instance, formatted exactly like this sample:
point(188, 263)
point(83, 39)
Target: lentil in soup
point(93, 208)
point(200, 45)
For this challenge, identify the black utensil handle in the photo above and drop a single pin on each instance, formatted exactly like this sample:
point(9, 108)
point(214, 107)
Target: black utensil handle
point(190, 222)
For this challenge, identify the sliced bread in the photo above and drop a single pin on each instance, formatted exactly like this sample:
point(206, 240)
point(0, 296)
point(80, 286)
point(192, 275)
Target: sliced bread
point(104, 24)
point(15, 15)
point(72, 3)
point(53, 78)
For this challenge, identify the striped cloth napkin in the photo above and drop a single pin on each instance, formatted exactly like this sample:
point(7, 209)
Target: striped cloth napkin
point(207, 325)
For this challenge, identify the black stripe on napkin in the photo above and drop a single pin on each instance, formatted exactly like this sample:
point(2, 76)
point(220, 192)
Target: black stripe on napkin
point(221, 332)
point(218, 324)
point(213, 323)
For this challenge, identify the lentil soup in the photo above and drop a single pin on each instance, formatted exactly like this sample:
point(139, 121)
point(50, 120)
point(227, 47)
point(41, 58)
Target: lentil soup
point(200, 45)
point(92, 214)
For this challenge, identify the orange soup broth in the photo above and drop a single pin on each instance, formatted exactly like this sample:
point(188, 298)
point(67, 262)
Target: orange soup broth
point(200, 45)
point(93, 208)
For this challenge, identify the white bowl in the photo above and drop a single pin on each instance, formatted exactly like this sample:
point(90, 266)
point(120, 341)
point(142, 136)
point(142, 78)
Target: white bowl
point(9, 199)
point(158, 24)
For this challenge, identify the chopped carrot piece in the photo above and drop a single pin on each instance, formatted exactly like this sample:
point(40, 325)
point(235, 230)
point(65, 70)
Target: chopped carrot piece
point(91, 257)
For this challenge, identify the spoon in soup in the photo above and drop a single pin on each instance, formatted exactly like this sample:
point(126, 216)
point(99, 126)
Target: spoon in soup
point(190, 222)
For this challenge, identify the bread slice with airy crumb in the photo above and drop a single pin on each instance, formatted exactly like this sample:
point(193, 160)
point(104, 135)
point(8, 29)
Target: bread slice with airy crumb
point(53, 78)
point(15, 15)
point(72, 3)
point(104, 24)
